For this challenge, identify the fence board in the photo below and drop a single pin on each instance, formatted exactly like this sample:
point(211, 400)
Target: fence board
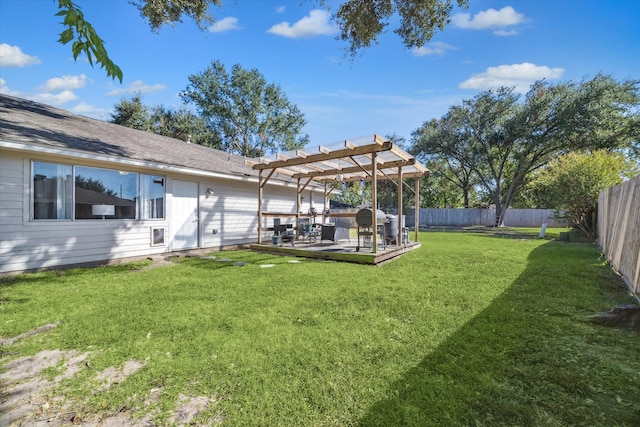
point(486, 217)
point(619, 229)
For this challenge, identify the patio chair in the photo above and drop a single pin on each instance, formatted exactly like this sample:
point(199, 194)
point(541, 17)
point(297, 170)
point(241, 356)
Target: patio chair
point(285, 232)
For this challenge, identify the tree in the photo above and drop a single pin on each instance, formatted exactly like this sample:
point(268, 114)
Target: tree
point(184, 125)
point(132, 113)
point(253, 117)
point(441, 144)
point(360, 23)
point(355, 193)
point(571, 184)
point(447, 186)
point(180, 124)
point(505, 138)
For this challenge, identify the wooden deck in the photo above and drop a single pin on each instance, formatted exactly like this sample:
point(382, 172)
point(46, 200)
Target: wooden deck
point(343, 250)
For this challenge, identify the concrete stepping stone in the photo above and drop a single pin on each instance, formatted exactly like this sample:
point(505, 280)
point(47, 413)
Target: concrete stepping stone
point(267, 265)
point(224, 260)
point(238, 264)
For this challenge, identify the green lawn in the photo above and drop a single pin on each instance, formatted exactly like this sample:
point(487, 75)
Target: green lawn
point(473, 328)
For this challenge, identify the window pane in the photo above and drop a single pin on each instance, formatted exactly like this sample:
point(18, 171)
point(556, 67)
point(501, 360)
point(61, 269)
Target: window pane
point(151, 196)
point(52, 191)
point(97, 190)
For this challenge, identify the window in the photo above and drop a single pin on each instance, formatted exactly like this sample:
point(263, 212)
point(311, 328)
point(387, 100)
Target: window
point(105, 187)
point(95, 193)
point(52, 191)
point(151, 197)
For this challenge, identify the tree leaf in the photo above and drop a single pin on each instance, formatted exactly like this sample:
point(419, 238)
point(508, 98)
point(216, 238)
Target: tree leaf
point(66, 36)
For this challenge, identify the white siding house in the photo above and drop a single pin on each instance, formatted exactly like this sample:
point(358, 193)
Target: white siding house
point(75, 190)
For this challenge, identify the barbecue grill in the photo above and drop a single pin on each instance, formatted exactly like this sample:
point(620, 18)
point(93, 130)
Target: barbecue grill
point(364, 219)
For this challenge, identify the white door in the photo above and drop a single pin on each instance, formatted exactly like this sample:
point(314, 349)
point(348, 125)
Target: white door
point(184, 215)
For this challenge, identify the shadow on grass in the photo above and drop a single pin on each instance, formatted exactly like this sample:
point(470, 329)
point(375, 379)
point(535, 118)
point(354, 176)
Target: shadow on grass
point(527, 359)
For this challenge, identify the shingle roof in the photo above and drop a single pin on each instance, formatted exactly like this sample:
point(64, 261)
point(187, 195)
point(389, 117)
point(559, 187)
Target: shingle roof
point(24, 121)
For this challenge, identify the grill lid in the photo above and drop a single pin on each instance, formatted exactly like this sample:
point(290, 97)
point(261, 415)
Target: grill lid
point(364, 217)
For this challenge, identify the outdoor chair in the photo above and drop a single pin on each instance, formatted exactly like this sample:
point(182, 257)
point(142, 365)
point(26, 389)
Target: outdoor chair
point(286, 233)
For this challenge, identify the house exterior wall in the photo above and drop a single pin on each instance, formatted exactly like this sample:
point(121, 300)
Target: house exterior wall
point(228, 217)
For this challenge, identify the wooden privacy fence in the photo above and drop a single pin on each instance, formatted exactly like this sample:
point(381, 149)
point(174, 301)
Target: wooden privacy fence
point(619, 229)
point(486, 217)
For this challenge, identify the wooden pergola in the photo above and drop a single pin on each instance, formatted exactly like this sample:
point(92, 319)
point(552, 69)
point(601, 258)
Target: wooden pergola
point(369, 158)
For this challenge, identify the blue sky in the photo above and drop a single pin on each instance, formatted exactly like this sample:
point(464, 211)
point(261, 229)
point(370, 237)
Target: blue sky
point(387, 89)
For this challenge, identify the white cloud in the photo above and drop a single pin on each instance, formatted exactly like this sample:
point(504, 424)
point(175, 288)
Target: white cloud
point(64, 83)
point(505, 33)
point(435, 48)
point(488, 19)
point(55, 98)
point(4, 89)
point(89, 110)
point(225, 24)
point(522, 76)
point(316, 24)
point(281, 9)
point(137, 87)
point(12, 56)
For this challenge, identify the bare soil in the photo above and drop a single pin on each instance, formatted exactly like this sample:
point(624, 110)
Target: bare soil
point(28, 399)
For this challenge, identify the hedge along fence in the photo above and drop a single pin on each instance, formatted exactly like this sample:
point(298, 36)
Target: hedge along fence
point(619, 229)
point(484, 217)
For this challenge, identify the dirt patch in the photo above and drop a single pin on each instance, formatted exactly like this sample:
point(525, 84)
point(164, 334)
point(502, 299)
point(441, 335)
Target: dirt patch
point(114, 375)
point(26, 397)
point(24, 400)
point(190, 407)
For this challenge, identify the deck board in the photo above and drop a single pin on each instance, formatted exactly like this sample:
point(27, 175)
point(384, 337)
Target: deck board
point(341, 251)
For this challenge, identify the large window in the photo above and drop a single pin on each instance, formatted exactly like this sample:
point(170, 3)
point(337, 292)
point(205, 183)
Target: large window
point(53, 191)
point(97, 193)
point(109, 188)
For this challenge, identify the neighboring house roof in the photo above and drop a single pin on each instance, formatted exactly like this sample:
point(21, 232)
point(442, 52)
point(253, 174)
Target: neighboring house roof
point(92, 197)
point(30, 123)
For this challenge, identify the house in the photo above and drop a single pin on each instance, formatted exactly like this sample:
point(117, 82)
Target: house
point(75, 190)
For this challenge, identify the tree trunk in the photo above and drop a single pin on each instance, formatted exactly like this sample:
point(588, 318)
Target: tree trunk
point(501, 213)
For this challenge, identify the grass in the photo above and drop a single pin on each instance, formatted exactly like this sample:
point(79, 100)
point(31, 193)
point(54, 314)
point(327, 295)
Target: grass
point(474, 328)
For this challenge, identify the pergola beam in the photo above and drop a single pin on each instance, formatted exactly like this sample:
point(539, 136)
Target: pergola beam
point(354, 169)
point(352, 150)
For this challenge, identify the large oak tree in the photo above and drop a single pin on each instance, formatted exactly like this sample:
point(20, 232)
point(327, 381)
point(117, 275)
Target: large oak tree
point(504, 137)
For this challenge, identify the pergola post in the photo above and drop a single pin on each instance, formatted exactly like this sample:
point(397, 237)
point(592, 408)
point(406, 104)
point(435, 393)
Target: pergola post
point(298, 206)
point(325, 200)
point(399, 241)
point(417, 208)
point(374, 201)
point(260, 206)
